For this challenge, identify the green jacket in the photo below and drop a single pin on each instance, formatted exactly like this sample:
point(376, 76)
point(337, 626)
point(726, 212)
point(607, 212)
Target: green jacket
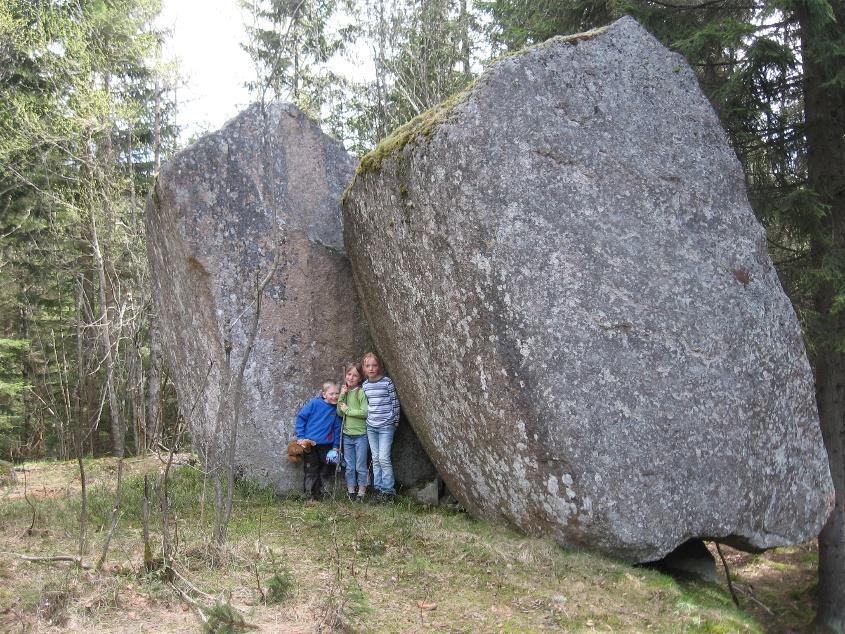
point(355, 418)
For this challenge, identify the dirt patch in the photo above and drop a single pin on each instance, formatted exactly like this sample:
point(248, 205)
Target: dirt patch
point(41, 480)
point(778, 587)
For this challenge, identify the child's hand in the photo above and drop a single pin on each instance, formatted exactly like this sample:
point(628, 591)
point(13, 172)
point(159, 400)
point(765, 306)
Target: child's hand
point(344, 390)
point(344, 407)
point(305, 442)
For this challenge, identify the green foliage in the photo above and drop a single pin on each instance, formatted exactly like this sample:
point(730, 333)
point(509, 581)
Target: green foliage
point(420, 127)
point(422, 53)
point(357, 604)
point(290, 44)
point(281, 584)
point(224, 619)
point(83, 116)
point(13, 384)
point(254, 493)
point(518, 23)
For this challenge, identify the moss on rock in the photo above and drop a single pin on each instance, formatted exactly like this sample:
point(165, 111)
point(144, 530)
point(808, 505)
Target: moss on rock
point(426, 123)
point(423, 125)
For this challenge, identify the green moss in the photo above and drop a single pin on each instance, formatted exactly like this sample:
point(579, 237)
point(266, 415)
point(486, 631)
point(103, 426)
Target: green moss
point(424, 125)
point(552, 41)
point(421, 126)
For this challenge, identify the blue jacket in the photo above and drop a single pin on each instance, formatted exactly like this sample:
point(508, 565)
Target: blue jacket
point(318, 421)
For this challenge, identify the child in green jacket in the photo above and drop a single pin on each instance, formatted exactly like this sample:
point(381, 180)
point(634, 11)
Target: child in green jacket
point(352, 406)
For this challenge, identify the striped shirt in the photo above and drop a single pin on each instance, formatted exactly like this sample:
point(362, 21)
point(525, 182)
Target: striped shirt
point(383, 403)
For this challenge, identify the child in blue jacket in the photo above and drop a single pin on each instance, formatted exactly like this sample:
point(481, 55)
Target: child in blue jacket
point(318, 426)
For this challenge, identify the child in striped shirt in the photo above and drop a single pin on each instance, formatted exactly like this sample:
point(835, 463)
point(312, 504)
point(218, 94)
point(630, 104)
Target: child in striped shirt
point(382, 420)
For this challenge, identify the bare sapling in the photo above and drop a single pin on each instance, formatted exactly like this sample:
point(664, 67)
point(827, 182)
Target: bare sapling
point(162, 485)
point(114, 404)
point(222, 456)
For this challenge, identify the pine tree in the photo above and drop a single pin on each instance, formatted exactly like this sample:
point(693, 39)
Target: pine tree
point(76, 131)
point(291, 42)
point(422, 52)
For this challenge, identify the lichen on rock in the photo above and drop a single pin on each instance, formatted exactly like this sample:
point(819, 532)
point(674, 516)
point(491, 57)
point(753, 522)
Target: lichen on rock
point(266, 185)
point(576, 302)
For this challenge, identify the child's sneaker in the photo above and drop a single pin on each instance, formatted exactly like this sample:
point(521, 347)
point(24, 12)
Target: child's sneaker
point(350, 495)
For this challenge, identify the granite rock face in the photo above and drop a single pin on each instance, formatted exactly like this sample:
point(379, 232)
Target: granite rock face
point(562, 268)
point(268, 181)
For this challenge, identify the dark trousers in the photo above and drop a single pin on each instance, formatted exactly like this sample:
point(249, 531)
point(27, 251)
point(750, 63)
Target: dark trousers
point(317, 471)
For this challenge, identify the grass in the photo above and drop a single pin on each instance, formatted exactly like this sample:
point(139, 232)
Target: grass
point(357, 567)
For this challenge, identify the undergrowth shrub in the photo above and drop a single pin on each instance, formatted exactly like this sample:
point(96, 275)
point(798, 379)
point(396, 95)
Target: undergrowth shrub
point(224, 619)
point(54, 600)
point(280, 586)
point(185, 488)
point(357, 605)
point(281, 583)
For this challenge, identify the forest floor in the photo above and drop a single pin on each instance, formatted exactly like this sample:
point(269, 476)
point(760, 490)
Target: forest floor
point(292, 567)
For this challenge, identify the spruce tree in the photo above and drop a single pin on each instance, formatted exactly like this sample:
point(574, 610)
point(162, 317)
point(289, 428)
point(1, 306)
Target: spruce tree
point(77, 118)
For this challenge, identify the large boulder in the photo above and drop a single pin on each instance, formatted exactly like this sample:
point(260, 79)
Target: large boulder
point(562, 269)
point(269, 182)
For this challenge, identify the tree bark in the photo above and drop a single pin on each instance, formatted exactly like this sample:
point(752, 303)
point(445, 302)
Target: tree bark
point(824, 113)
point(105, 333)
point(154, 386)
point(830, 381)
point(466, 44)
point(88, 416)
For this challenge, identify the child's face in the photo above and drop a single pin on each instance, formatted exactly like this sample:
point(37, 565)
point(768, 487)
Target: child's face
point(353, 378)
point(331, 395)
point(371, 368)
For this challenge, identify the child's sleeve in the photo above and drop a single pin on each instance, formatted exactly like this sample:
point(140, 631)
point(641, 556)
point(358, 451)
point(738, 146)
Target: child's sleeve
point(394, 401)
point(302, 420)
point(363, 406)
point(341, 399)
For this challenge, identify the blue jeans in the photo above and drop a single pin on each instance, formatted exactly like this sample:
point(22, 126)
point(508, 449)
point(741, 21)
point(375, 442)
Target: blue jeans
point(355, 450)
point(381, 441)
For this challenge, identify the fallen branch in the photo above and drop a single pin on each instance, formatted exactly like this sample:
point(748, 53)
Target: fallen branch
point(727, 574)
point(198, 608)
point(50, 559)
point(748, 594)
point(191, 586)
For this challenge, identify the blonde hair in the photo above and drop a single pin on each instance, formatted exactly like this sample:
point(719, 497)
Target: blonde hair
point(372, 355)
point(355, 365)
point(329, 384)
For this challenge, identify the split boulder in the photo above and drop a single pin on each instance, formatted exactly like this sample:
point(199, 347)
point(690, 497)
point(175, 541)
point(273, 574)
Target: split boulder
point(562, 269)
point(266, 186)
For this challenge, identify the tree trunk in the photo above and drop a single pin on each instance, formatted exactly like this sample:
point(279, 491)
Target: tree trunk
point(105, 333)
point(824, 112)
point(153, 417)
point(137, 386)
point(466, 44)
point(830, 388)
point(89, 400)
